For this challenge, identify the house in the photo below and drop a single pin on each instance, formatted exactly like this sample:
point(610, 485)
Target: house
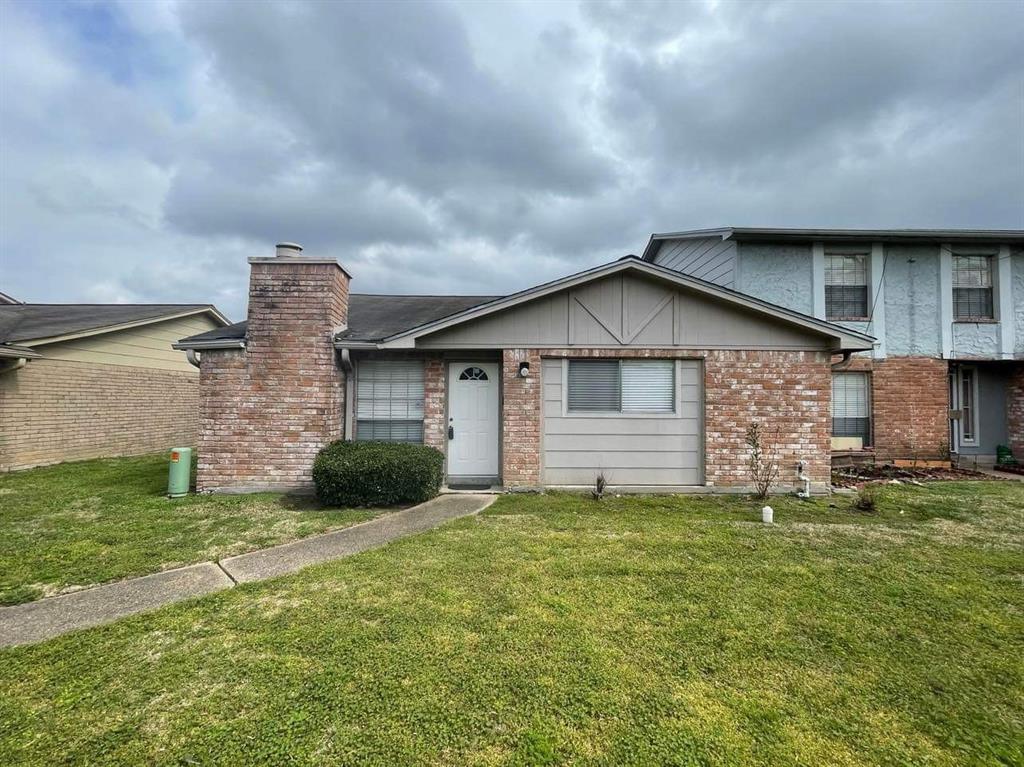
point(630, 370)
point(947, 308)
point(91, 380)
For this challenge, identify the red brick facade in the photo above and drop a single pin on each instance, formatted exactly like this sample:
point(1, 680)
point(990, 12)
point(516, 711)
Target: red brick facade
point(1015, 412)
point(266, 410)
point(788, 392)
point(434, 403)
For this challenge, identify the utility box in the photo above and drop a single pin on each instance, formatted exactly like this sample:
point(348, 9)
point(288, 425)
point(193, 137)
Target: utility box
point(180, 472)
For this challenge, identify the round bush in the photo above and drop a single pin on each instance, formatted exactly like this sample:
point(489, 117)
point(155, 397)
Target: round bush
point(377, 473)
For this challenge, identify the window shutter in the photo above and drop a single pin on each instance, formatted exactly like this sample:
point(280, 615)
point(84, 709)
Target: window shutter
point(648, 386)
point(594, 386)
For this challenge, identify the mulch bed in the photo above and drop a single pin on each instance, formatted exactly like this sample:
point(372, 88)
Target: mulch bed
point(854, 476)
point(1011, 469)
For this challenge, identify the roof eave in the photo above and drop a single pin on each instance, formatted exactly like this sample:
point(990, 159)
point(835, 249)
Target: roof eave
point(224, 343)
point(127, 326)
point(846, 339)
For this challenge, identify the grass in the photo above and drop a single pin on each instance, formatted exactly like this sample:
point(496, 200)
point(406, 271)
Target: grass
point(557, 630)
point(78, 524)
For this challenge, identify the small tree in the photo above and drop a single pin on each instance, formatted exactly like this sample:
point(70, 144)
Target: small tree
point(764, 458)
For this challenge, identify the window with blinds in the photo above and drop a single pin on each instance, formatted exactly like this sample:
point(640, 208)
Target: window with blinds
point(389, 401)
point(972, 288)
point(846, 286)
point(621, 386)
point(851, 406)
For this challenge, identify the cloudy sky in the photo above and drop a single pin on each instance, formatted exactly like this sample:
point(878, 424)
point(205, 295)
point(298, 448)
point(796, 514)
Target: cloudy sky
point(147, 148)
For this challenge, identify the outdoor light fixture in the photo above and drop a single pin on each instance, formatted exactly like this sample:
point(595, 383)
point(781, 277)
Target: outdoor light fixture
point(524, 369)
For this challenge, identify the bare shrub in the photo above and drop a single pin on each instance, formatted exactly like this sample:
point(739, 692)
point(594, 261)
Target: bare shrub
point(764, 458)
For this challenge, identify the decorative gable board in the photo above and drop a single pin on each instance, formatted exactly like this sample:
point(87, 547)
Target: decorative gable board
point(626, 310)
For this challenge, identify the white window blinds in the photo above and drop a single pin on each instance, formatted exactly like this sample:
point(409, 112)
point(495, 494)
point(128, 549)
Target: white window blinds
point(851, 406)
point(648, 386)
point(621, 386)
point(389, 400)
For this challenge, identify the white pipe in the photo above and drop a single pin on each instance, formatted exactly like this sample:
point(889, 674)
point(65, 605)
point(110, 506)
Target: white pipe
point(806, 492)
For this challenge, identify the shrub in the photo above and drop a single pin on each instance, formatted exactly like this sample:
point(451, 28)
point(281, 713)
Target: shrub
point(377, 473)
point(763, 462)
point(867, 498)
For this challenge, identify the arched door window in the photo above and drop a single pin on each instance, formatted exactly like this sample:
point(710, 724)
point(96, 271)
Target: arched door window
point(473, 374)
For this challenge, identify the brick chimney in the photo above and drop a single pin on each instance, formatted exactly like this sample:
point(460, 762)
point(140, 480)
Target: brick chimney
point(267, 409)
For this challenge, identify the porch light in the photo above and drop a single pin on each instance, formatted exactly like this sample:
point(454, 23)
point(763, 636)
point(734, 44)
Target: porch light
point(524, 369)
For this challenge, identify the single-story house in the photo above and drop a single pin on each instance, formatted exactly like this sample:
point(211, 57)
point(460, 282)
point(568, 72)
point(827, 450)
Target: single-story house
point(94, 380)
point(629, 370)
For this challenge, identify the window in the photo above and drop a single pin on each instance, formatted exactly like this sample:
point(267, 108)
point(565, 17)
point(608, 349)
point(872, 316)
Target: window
point(972, 288)
point(622, 386)
point(389, 401)
point(851, 406)
point(473, 374)
point(967, 428)
point(846, 286)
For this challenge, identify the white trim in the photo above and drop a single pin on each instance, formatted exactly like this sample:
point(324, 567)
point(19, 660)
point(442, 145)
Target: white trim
point(946, 298)
point(127, 325)
point(1004, 303)
point(876, 278)
point(818, 278)
point(844, 337)
point(223, 343)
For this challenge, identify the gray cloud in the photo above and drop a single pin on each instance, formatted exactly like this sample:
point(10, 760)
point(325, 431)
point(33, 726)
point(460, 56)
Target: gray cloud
point(146, 149)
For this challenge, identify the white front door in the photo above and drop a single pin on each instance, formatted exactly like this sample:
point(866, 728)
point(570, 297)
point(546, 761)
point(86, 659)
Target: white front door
point(473, 419)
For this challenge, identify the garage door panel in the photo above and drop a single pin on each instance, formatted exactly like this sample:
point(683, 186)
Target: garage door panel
point(628, 449)
point(653, 477)
point(622, 460)
point(631, 443)
point(640, 426)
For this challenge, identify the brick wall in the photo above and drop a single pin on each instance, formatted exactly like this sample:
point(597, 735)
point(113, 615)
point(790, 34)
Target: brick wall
point(434, 425)
point(53, 411)
point(910, 407)
point(520, 419)
point(1015, 412)
point(789, 392)
point(266, 410)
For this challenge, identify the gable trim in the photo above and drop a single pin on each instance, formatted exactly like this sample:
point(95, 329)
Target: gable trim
point(845, 338)
point(103, 329)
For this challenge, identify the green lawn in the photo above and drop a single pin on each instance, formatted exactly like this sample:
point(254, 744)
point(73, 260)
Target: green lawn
point(78, 524)
point(557, 630)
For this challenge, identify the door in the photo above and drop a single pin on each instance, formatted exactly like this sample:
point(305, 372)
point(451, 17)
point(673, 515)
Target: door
point(473, 420)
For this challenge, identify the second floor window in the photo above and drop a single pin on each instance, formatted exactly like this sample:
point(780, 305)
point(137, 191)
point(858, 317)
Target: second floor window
point(846, 286)
point(972, 288)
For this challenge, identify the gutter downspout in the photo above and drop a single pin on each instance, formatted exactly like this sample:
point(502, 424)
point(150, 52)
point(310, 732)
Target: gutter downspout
point(346, 360)
point(11, 366)
point(192, 357)
point(844, 362)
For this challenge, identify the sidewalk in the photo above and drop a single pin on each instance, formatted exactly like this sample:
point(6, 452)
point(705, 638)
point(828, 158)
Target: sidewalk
point(47, 618)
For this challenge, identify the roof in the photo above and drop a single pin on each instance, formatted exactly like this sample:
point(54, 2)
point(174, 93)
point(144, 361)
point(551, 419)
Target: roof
point(41, 323)
point(6, 299)
point(845, 338)
point(371, 318)
point(1014, 236)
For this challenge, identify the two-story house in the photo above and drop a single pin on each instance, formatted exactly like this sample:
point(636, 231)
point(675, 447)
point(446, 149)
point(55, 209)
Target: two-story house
point(946, 374)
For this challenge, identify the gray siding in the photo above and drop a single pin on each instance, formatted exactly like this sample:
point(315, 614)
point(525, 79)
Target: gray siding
point(712, 259)
point(624, 311)
point(912, 325)
point(992, 381)
point(629, 450)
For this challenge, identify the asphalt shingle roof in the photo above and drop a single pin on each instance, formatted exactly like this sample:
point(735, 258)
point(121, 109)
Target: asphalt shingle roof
point(29, 322)
point(373, 317)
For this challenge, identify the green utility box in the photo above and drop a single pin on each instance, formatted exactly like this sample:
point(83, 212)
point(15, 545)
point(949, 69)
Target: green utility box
point(180, 472)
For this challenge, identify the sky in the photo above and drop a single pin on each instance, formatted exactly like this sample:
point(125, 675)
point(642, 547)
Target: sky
point(148, 148)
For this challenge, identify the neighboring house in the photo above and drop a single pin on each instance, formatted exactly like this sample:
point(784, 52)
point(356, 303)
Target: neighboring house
point(947, 308)
point(631, 370)
point(91, 380)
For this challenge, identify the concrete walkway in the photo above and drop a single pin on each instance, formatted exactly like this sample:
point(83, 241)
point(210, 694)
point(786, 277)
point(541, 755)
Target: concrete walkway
point(47, 618)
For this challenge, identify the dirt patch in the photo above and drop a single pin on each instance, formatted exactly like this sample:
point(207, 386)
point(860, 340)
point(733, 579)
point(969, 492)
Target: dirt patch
point(855, 476)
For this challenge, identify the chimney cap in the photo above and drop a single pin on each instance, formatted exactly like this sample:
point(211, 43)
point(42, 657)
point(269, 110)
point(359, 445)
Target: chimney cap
point(288, 249)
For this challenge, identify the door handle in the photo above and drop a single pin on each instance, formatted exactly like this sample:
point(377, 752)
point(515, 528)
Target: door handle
point(451, 432)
